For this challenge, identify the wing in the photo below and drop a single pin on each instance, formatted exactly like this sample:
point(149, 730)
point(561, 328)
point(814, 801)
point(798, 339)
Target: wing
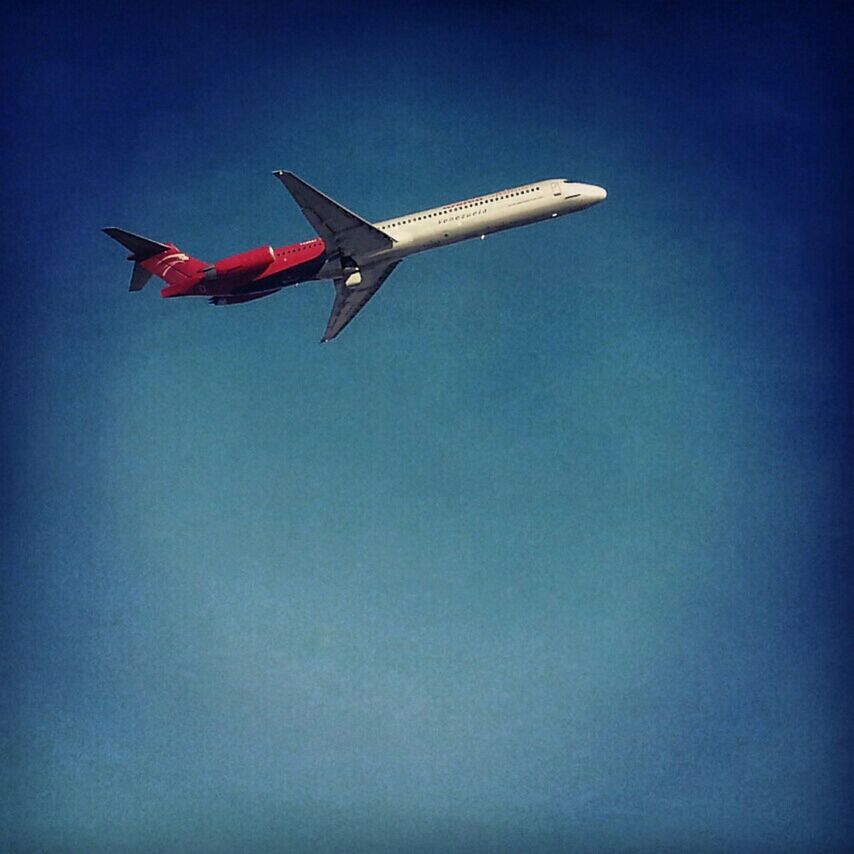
point(350, 301)
point(340, 229)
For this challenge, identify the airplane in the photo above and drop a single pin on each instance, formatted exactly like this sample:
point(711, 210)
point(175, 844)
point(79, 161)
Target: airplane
point(356, 254)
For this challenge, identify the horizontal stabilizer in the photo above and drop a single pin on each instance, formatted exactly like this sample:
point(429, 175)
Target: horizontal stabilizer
point(139, 247)
point(140, 277)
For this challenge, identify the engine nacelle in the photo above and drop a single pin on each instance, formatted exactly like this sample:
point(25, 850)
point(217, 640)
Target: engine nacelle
point(246, 264)
point(350, 271)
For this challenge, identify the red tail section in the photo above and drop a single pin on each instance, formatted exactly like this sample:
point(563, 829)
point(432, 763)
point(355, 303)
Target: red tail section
point(180, 272)
point(164, 260)
point(175, 267)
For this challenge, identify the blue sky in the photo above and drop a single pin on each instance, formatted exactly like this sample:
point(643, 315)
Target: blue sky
point(550, 549)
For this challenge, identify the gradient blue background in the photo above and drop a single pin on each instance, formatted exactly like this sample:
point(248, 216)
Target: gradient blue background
point(549, 550)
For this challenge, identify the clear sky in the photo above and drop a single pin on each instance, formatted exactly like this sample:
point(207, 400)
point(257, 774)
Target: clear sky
point(549, 550)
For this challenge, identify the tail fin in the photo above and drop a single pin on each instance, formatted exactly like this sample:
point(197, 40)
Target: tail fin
point(163, 260)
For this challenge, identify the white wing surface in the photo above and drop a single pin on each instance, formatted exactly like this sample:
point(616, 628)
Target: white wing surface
point(349, 301)
point(341, 229)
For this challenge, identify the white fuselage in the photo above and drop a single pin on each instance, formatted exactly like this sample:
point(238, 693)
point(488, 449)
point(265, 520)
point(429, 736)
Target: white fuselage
point(479, 216)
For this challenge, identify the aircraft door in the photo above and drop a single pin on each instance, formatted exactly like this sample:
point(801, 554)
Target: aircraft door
point(556, 189)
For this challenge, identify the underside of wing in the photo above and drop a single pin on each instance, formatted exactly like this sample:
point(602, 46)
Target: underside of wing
point(349, 301)
point(340, 228)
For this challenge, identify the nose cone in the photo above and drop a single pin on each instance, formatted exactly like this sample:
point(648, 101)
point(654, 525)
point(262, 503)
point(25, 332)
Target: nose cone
point(593, 194)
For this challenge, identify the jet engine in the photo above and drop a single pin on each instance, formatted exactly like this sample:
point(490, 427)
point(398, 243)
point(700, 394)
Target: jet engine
point(350, 272)
point(246, 264)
